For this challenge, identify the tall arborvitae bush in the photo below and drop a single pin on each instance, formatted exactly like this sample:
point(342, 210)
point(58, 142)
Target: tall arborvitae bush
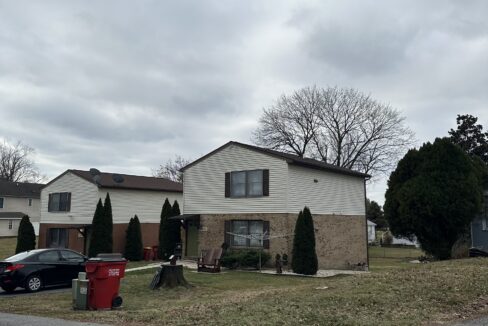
point(165, 250)
point(108, 220)
point(133, 240)
point(175, 225)
point(100, 239)
point(304, 260)
point(26, 237)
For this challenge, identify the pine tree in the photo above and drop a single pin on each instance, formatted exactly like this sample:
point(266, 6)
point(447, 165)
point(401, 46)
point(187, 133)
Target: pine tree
point(133, 242)
point(100, 237)
point(26, 238)
point(175, 224)
point(304, 260)
point(165, 250)
point(108, 220)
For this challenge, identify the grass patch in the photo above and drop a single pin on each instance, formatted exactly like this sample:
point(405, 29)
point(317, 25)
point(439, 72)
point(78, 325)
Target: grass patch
point(404, 294)
point(396, 292)
point(7, 247)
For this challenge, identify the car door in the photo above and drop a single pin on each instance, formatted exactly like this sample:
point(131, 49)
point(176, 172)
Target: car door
point(49, 267)
point(73, 264)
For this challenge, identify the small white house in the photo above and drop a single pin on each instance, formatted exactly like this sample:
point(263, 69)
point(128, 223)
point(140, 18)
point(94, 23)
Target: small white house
point(371, 231)
point(68, 204)
point(16, 200)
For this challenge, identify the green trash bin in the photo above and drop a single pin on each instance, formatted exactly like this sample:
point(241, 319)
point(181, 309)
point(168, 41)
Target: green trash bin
point(80, 292)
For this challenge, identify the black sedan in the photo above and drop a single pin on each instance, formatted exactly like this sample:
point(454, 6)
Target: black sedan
point(35, 269)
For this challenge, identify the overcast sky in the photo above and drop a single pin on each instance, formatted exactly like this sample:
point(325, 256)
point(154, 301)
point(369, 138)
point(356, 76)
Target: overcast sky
point(125, 85)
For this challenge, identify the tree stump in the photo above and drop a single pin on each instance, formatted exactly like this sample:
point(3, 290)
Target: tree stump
point(169, 276)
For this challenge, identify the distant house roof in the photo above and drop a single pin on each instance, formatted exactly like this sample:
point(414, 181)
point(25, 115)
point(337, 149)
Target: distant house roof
point(290, 159)
point(11, 215)
point(126, 181)
point(20, 189)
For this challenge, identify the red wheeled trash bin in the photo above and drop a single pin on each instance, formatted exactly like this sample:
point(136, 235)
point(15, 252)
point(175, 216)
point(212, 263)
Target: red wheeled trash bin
point(104, 275)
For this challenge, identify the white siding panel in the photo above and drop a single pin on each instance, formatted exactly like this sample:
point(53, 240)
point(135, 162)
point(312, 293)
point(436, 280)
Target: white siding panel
point(84, 197)
point(16, 204)
point(333, 193)
point(204, 183)
point(146, 204)
point(5, 231)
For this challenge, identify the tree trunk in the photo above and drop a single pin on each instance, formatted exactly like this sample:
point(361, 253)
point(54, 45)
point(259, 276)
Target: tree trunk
point(169, 276)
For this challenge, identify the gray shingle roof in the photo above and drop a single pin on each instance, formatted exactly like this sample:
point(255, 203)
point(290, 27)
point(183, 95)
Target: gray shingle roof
point(20, 189)
point(290, 158)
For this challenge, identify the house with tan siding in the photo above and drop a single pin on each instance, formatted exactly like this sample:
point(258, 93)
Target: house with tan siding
point(16, 200)
point(68, 204)
point(239, 190)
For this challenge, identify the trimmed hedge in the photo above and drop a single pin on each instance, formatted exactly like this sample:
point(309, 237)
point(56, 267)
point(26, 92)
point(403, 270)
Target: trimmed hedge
point(244, 259)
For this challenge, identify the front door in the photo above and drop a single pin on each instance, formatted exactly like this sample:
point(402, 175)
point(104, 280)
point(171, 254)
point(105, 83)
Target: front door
point(192, 239)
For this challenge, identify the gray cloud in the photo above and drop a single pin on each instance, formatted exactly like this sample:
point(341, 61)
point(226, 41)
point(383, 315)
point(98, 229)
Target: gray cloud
point(123, 85)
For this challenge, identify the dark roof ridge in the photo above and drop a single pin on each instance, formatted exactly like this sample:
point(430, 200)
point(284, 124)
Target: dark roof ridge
point(290, 158)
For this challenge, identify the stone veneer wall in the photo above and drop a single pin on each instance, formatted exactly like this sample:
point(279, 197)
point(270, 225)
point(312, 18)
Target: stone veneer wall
point(340, 239)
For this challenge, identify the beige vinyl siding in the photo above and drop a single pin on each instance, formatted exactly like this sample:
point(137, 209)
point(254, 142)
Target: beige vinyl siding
point(17, 204)
point(204, 183)
point(333, 193)
point(146, 204)
point(84, 197)
point(4, 230)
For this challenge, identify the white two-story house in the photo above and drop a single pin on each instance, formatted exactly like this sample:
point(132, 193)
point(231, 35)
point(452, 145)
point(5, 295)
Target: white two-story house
point(16, 200)
point(238, 190)
point(68, 204)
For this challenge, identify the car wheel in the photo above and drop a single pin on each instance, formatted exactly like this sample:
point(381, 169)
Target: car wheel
point(33, 283)
point(8, 288)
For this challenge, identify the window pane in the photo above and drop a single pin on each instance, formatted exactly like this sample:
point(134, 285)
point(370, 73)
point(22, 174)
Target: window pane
point(54, 202)
point(49, 256)
point(239, 227)
point(256, 230)
point(63, 200)
point(255, 183)
point(71, 256)
point(238, 184)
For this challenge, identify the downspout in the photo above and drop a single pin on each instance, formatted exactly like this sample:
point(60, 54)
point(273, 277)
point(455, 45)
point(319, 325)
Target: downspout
point(366, 222)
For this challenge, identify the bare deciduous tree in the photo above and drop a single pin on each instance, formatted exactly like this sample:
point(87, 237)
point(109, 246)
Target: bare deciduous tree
point(171, 169)
point(16, 163)
point(339, 126)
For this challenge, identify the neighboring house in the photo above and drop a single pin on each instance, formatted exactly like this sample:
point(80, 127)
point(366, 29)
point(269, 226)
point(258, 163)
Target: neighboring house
point(245, 189)
point(16, 200)
point(68, 204)
point(371, 231)
point(479, 228)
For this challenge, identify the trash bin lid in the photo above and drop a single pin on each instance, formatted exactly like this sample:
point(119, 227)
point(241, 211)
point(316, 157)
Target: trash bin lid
point(117, 257)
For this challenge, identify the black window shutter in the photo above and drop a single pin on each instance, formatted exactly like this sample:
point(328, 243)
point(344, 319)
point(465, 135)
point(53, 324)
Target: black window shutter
point(227, 236)
point(227, 184)
point(266, 231)
point(265, 182)
point(68, 204)
point(49, 203)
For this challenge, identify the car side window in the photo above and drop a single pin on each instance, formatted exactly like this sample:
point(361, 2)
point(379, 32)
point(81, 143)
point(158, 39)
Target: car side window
point(49, 256)
point(71, 256)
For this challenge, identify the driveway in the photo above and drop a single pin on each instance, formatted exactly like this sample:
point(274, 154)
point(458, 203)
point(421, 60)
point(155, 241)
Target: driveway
point(21, 320)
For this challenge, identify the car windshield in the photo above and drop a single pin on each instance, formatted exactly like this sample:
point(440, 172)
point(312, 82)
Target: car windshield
point(22, 255)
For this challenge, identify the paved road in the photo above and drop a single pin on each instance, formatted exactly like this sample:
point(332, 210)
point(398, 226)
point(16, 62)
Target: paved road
point(483, 321)
point(20, 320)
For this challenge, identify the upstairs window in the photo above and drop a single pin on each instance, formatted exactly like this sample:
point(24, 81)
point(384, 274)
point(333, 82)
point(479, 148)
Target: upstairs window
point(30, 201)
point(253, 183)
point(10, 224)
point(1, 202)
point(59, 202)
